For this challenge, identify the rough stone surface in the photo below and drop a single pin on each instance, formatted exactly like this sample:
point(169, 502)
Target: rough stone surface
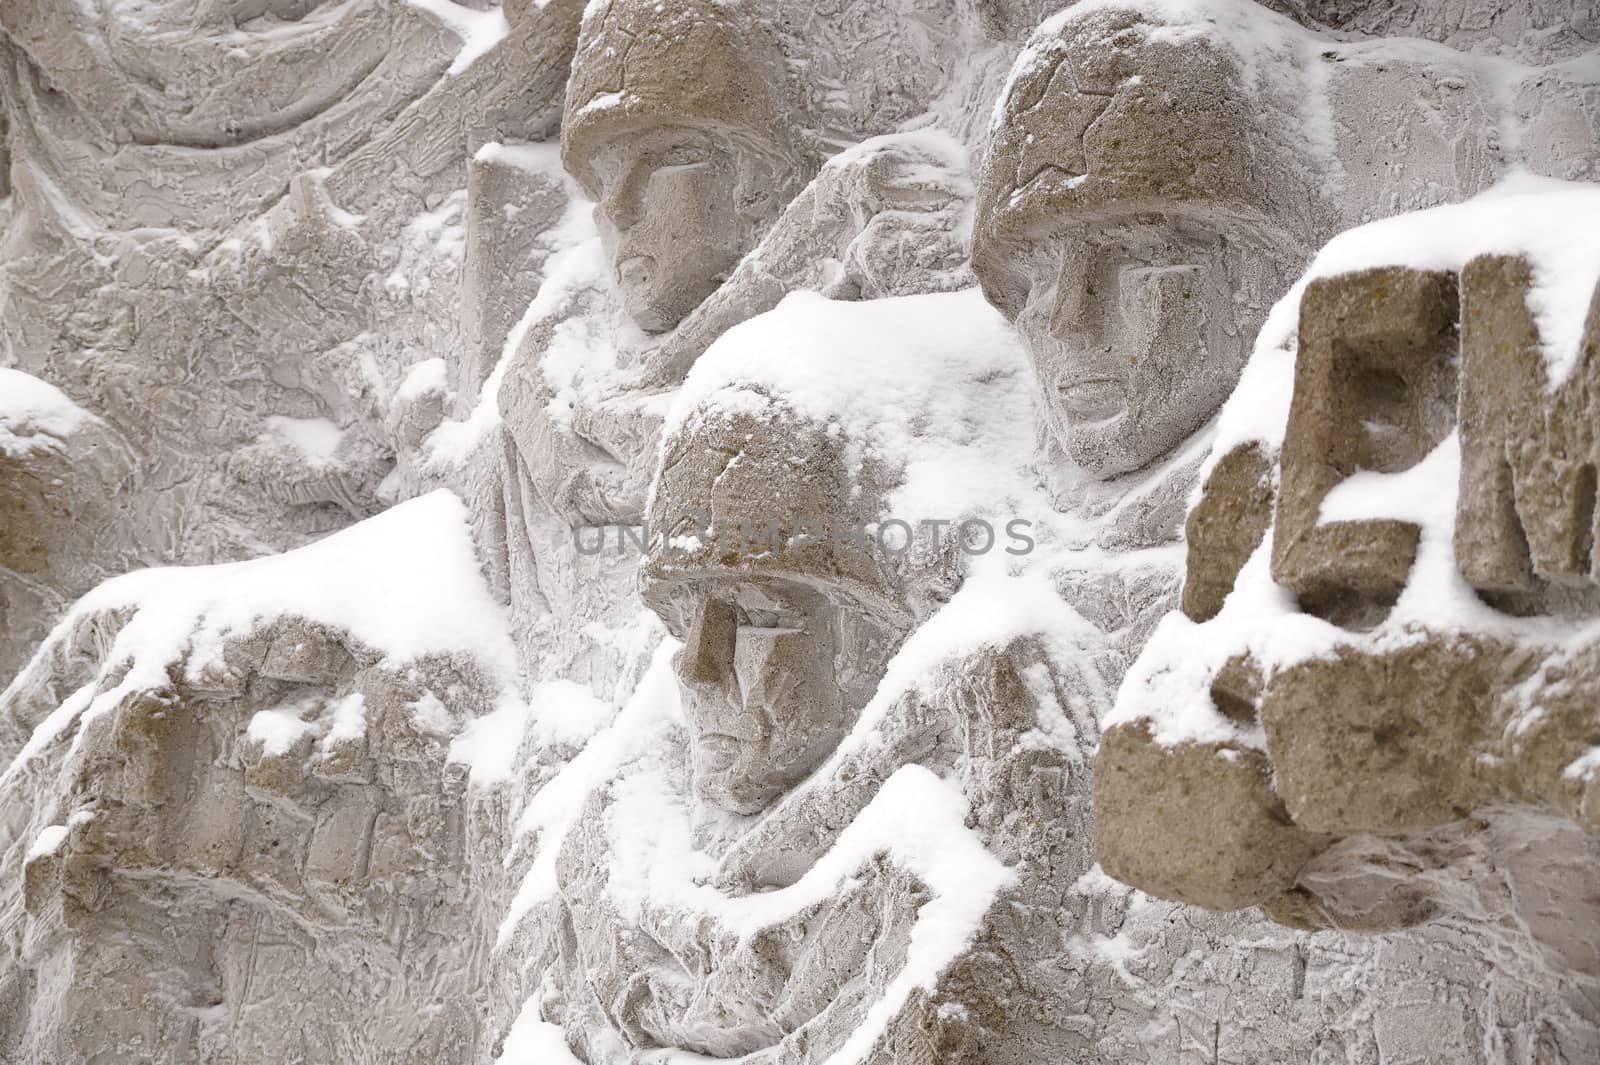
point(1526, 518)
point(1375, 389)
point(1417, 770)
point(549, 376)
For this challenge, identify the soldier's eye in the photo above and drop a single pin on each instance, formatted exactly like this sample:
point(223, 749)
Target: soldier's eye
point(682, 155)
point(770, 621)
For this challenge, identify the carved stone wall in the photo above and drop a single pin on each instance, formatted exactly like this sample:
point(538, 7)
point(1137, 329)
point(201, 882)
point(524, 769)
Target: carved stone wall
point(1413, 745)
point(719, 528)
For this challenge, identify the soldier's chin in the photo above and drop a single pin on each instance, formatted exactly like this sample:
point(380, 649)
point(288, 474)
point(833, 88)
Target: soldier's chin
point(658, 309)
point(1122, 445)
point(1102, 448)
point(729, 791)
point(655, 311)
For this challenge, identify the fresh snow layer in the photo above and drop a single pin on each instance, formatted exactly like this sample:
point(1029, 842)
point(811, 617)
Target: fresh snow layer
point(316, 439)
point(1555, 224)
point(479, 30)
point(424, 377)
point(1169, 686)
point(855, 362)
point(937, 385)
point(558, 712)
point(279, 729)
point(554, 808)
point(405, 583)
point(34, 414)
point(534, 1040)
point(48, 841)
point(1522, 215)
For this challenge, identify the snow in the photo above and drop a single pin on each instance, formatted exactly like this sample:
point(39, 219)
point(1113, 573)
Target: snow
point(430, 714)
point(405, 583)
point(938, 385)
point(853, 362)
point(581, 360)
point(316, 439)
point(47, 842)
point(488, 745)
point(279, 729)
point(341, 217)
point(441, 230)
point(533, 1040)
point(1584, 766)
point(479, 31)
point(1170, 683)
point(543, 157)
point(577, 263)
point(35, 415)
point(349, 719)
point(554, 808)
point(424, 377)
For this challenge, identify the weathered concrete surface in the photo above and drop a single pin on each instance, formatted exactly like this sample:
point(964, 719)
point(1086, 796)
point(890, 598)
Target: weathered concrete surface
point(301, 261)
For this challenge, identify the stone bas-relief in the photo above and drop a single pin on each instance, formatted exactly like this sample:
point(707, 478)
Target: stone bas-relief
point(1130, 219)
point(231, 241)
point(245, 842)
point(1417, 745)
point(784, 801)
point(778, 654)
point(680, 124)
point(254, 218)
point(1149, 192)
point(786, 632)
point(698, 174)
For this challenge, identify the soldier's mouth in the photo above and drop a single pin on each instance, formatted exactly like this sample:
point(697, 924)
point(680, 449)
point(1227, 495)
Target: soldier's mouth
point(717, 750)
point(1093, 400)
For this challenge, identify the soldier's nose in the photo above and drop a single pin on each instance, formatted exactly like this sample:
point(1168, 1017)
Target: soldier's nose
point(1078, 300)
point(707, 655)
point(622, 201)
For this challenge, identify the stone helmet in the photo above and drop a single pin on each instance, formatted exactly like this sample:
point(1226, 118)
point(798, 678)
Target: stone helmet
point(702, 63)
point(743, 462)
point(1112, 113)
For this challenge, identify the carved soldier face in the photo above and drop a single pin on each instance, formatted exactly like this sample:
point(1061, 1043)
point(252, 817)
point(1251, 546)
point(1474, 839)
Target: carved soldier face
point(1139, 328)
point(773, 673)
point(671, 219)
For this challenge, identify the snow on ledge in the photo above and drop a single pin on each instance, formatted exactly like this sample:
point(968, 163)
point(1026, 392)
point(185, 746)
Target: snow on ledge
point(34, 414)
point(1555, 224)
point(405, 583)
point(479, 30)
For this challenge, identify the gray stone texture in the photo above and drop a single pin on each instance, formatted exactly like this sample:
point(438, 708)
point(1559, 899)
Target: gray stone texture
point(1402, 781)
point(300, 261)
